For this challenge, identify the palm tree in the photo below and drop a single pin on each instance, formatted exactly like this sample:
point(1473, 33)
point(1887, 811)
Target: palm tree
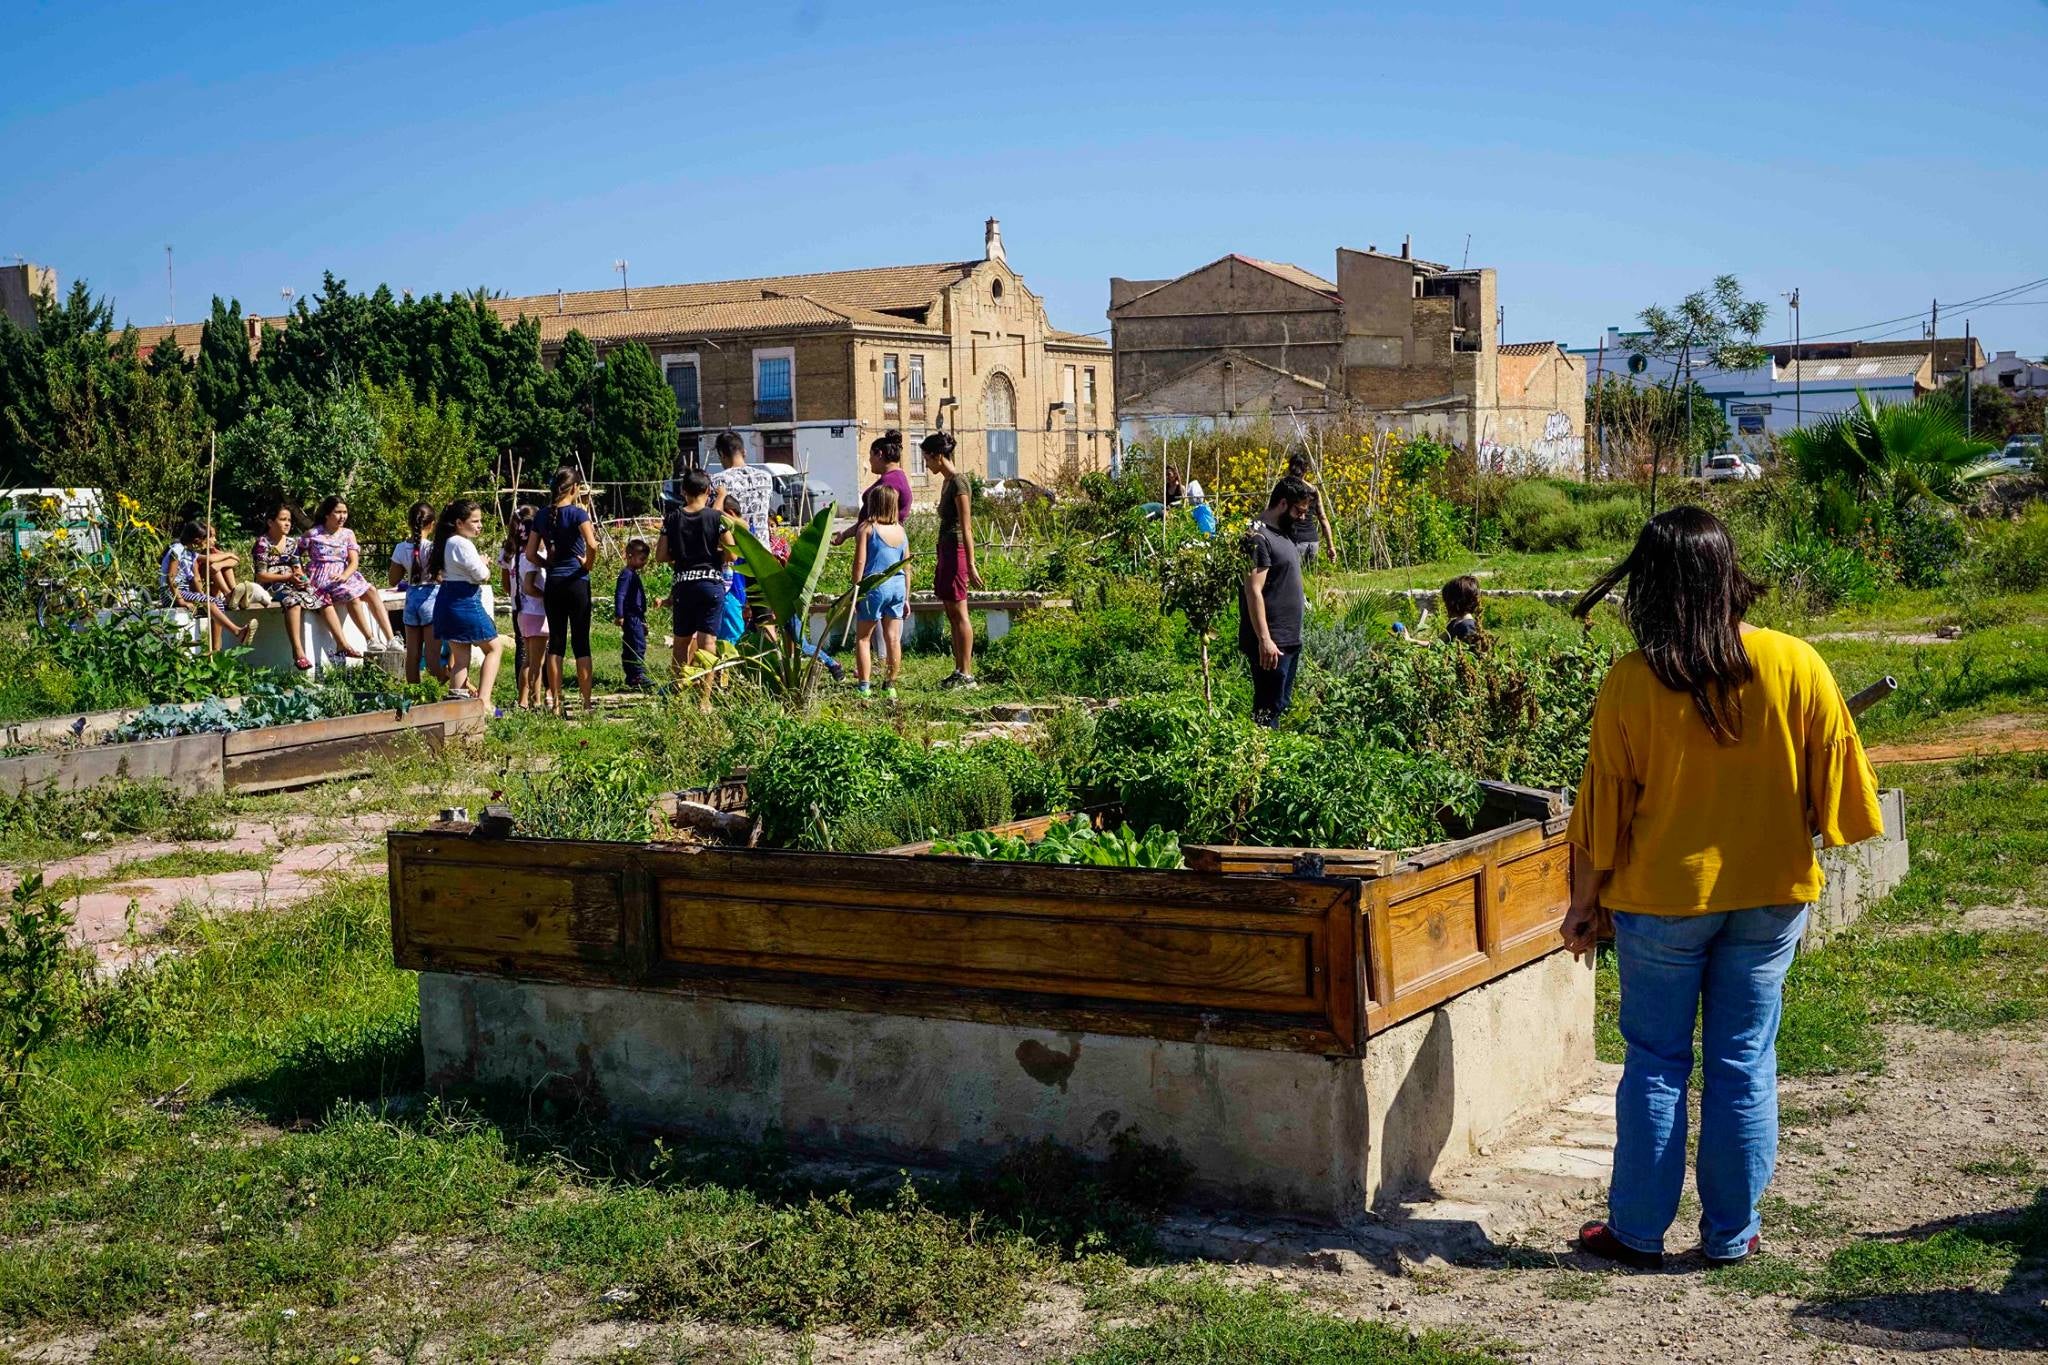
point(1895, 451)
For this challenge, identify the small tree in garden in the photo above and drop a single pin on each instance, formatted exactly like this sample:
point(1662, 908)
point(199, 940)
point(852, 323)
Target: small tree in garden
point(787, 586)
point(1202, 578)
point(1714, 326)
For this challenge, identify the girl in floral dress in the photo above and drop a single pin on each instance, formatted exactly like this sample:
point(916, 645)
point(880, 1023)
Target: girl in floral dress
point(280, 562)
point(336, 563)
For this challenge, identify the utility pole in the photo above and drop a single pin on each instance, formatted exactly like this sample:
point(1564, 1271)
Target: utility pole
point(1599, 414)
point(1934, 327)
point(171, 285)
point(1798, 395)
point(1969, 383)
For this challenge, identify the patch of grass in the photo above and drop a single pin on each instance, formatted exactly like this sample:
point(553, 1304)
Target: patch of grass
point(207, 1223)
point(1965, 1256)
point(184, 862)
point(1574, 1286)
point(1822, 1111)
point(1761, 1274)
point(1200, 1320)
point(44, 826)
point(2011, 1164)
point(710, 1252)
point(1785, 1217)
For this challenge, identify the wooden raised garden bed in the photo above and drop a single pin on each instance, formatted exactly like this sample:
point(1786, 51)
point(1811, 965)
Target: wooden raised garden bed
point(1242, 948)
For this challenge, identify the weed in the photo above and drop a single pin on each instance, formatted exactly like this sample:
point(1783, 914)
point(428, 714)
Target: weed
point(1574, 1286)
point(41, 977)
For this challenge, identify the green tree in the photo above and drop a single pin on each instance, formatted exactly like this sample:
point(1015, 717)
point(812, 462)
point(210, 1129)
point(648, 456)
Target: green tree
point(117, 427)
point(1637, 421)
point(426, 452)
point(1714, 326)
point(1897, 452)
point(574, 384)
point(307, 448)
point(74, 329)
point(227, 374)
point(635, 420)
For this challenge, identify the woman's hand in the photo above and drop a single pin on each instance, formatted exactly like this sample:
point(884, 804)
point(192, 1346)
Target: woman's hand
point(1583, 927)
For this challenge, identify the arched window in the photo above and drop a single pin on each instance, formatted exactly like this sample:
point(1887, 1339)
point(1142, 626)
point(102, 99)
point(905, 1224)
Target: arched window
point(999, 402)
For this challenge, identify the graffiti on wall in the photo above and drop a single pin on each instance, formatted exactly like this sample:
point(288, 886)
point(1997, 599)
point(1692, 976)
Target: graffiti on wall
point(1558, 448)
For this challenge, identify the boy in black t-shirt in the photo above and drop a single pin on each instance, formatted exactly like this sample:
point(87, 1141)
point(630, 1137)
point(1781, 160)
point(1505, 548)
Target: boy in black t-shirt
point(1461, 606)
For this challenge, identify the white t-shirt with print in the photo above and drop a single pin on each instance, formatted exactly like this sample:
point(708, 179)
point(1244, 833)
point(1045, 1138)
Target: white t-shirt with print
point(753, 488)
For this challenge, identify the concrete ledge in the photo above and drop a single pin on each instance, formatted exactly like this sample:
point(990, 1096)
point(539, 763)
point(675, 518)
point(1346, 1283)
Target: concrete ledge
point(1860, 875)
point(1288, 1132)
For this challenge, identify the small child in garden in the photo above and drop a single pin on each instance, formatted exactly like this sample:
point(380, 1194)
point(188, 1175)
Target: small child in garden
point(1461, 605)
point(629, 609)
point(531, 621)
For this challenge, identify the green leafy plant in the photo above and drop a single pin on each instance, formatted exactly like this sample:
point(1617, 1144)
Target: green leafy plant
point(41, 977)
point(786, 669)
point(1896, 452)
point(1072, 842)
point(1222, 779)
point(586, 796)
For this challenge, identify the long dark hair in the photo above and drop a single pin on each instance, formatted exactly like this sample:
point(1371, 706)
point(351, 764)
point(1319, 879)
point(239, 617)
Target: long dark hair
point(444, 530)
point(417, 521)
point(1686, 600)
point(326, 508)
point(516, 530)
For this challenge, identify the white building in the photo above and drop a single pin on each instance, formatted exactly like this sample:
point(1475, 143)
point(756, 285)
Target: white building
point(1766, 399)
point(2008, 370)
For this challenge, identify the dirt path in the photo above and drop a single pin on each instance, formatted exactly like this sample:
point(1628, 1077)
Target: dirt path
point(2013, 734)
point(117, 920)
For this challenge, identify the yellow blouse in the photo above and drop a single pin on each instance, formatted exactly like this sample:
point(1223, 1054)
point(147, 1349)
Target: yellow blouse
point(1687, 826)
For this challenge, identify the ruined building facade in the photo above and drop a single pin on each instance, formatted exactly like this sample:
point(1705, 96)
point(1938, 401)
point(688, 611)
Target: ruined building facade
point(1400, 342)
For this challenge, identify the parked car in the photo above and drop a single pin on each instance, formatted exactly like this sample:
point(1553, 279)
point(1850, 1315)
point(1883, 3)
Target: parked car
point(1730, 466)
point(2021, 454)
point(797, 496)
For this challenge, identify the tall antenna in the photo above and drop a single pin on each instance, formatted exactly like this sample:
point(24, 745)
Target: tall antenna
point(1467, 259)
point(171, 285)
point(625, 292)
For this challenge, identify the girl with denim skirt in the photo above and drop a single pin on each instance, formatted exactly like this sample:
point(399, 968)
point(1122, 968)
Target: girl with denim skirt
point(1719, 752)
point(461, 616)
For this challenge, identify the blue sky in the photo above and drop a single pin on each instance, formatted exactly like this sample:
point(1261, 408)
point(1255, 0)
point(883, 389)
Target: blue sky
point(1601, 156)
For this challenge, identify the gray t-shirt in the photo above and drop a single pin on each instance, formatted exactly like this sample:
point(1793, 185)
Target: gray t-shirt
point(1285, 601)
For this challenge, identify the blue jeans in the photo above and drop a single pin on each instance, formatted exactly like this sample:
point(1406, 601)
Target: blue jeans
point(1736, 963)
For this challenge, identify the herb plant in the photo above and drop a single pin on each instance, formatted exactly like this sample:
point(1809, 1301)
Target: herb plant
point(1072, 842)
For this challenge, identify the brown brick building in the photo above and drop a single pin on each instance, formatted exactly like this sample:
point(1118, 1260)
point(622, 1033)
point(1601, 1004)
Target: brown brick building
point(1403, 342)
point(811, 368)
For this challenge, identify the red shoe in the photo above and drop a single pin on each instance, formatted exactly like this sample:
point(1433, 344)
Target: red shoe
point(303, 662)
point(1597, 1239)
point(1721, 1262)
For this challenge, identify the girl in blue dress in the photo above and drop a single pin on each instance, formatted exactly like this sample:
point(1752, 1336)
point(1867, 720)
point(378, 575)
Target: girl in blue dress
point(883, 546)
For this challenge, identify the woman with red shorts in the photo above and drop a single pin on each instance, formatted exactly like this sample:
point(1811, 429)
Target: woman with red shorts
point(954, 573)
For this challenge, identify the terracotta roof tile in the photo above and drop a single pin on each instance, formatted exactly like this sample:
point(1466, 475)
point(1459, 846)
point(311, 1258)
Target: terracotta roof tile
point(888, 287)
point(1527, 347)
point(740, 315)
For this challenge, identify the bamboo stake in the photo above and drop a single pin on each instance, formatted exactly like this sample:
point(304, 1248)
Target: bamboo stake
point(212, 464)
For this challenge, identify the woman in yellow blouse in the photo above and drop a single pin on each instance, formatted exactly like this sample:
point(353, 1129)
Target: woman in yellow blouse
point(1719, 751)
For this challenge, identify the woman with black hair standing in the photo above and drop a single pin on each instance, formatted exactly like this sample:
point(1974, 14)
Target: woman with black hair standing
point(1718, 752)
point(565, 538)
point(954, 573)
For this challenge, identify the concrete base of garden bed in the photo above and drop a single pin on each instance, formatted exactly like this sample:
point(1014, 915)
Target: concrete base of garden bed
point(1860, 875)
point(1324, 1137)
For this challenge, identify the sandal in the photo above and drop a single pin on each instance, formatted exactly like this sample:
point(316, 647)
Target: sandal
point(248, 631)
point(1597, 1239)
point(302, 661)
